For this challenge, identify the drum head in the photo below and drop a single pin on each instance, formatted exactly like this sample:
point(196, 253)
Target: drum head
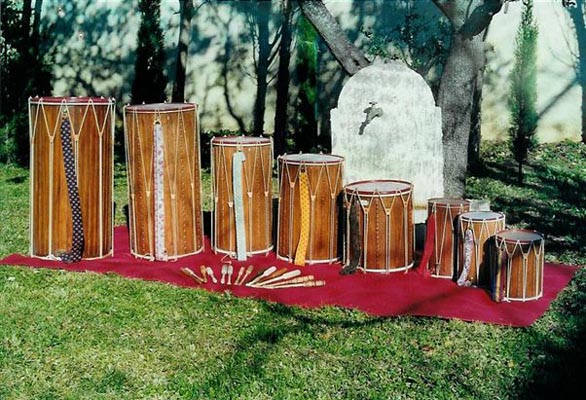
point(70, 100)
point(379, 187)
point(308, 159)
point(160, 107)
point(519, 235)
point(240, 141)
point(482, 216)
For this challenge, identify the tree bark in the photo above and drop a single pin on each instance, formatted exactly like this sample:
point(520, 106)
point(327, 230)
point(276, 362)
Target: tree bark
point(264, 53)
point(280, 133)
point(349, 56)
point(577, 15)
point(186, 13)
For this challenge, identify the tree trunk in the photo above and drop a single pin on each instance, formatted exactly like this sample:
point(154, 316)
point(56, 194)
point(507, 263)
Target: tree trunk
point(280, 133)
point(186, 13)
point(476, 124)
point(349, 56)
point(577, 15)
point(520, 173)
point(264, 53)
point(457, 87)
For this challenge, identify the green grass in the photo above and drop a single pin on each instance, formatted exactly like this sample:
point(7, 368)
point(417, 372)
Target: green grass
point(86, 336)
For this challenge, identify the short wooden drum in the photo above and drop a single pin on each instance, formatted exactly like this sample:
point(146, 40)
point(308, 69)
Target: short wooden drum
point(309, 188)
point(164, 182)
point(91, 122)
point(385, 225)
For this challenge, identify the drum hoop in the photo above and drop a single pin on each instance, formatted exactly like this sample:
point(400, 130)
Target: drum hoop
point(500, 238)
point(331, 159)
point(233, 141)
point(382, 193)
point(499, 217)
point(177, 107)
point(441, 202)
point(73, 101)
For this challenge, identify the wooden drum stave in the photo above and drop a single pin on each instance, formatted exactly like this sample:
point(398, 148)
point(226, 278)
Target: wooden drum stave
point(477, 230)
point(92, 133)
point(164, 180)
point(256, 231)
point(324, 180)
point(445, 211)
point(385, 224)
point(518, 274)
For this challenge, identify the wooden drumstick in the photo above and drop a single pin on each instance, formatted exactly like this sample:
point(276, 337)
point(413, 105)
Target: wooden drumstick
point(303, 284)
point(240, 272)
point(190, 273)
point(210, 273)
point(285, 276)
point(299, 279)
point(202, 269)
point(248, 272)
point(264, 274)
point(271, 276)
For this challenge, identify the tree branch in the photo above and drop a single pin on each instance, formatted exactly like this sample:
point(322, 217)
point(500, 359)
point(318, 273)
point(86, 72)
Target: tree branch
point(480, 18)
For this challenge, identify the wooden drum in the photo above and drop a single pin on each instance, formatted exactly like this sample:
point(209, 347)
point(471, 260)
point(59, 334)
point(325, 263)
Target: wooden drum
point(254, 157)
point(444, 258)
point(92, 137)
point(519, 266)
point(316, 202)
point(477, 230)
point(164, 182)
point(385, 224)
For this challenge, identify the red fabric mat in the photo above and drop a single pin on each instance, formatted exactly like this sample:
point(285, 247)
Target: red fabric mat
point(376, 294)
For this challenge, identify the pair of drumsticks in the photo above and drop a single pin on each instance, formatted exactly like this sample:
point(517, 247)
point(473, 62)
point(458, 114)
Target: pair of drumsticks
point(269, 278)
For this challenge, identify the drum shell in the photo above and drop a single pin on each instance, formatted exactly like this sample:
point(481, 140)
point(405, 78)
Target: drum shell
point(444, 258)
point(519, 267)
point(257, 189)
point(483, 230)
point(325, 176)
point(183, 228)
point(386, 226)
point(92, 126)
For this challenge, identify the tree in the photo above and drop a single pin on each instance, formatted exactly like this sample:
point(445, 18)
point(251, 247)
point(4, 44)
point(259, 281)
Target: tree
point(149, 80)
point(185, 15)
point(523, 92)
point(280, 134)
point(577, 12)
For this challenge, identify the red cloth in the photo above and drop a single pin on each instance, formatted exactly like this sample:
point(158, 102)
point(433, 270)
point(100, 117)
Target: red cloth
point(423, 267)
point(376, 294)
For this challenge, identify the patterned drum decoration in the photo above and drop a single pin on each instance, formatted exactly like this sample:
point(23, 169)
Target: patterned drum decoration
point(60, 225)
point(519, 266)
point(242, 195)
point(385, 225)
point(445, 212)
point(164, 182)
point(309, 188)
point(477, 230)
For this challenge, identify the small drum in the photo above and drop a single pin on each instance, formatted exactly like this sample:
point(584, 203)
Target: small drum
point(308, 207)
point(164, 182)
point(252, 226)
point(445, 212)
point(519, 266)
point(385, 224)
point(476, 236)
point(91, 122)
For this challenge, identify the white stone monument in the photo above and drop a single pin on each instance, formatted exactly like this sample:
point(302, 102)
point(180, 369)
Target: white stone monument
point(387, 126)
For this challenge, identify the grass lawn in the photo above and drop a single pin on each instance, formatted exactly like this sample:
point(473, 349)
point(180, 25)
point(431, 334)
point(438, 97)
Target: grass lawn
point(70, 335)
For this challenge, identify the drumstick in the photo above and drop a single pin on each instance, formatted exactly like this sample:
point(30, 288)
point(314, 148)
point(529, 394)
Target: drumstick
point(224, 272)
point(191, 274)
point(271, 276)
point(299, 279)
point(210, 273)
point(240, 272)
point(202, 269)
point(264, 274)
point(285, 276)
point(230, 271)
point(248, 272)
point(303, 284)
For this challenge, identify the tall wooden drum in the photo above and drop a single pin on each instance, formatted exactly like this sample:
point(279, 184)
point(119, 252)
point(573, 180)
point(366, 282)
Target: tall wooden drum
point(385, 224)
point(308, 207)
point(164, 182)
point(445, 212)
point(477, 230)
point(519, 266)
point(242, 195)
point(90, 124)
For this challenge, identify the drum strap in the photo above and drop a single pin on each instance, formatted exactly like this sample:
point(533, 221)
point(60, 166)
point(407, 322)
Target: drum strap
point(237, 166)
point(355, 239)
point(159, 192)
point(78, 241)
point(468, 246)
point(304, 202)
point(423, 268)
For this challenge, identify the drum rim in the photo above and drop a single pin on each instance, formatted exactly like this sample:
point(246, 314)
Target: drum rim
point(152, 108)
point(349, 190)
point(538, 239)
point(499, 217)
point(237, 140)
point(334, 159)
point(70, 100)
point(456, 202)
